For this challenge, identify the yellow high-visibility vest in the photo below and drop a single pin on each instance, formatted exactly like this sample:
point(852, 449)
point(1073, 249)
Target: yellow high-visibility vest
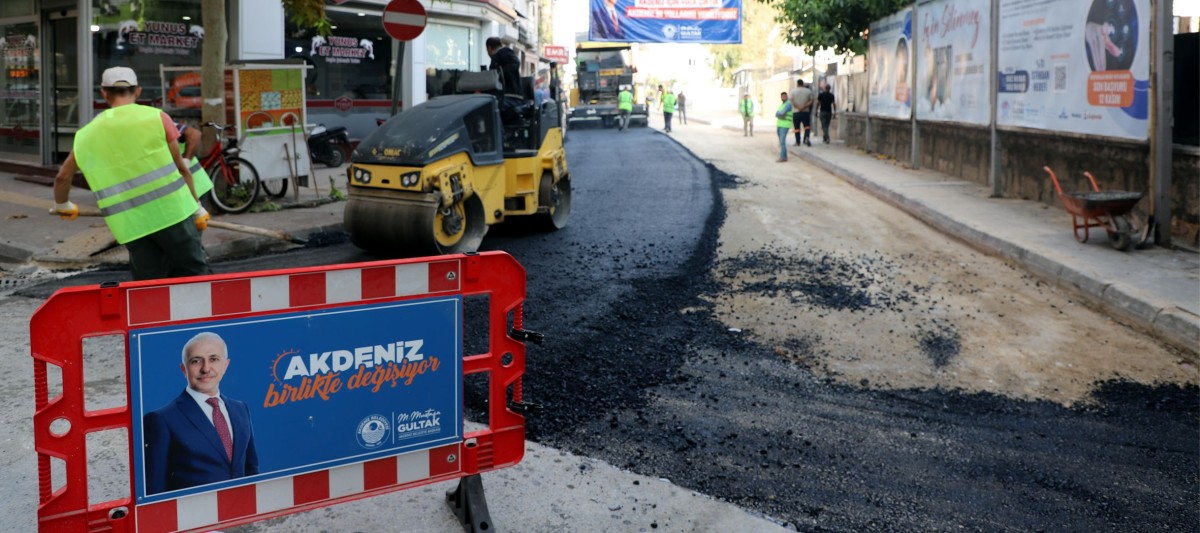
point(786, 120)
point(124, 157)
point(625, 100)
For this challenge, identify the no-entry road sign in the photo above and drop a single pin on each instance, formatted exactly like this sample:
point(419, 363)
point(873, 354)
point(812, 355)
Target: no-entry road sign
point(404, 20)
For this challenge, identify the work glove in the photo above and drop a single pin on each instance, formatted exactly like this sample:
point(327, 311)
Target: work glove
point(201, 218)
point(65, 211)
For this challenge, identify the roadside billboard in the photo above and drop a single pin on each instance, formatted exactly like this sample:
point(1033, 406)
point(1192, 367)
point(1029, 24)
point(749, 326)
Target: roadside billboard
point(296, 397)
point(1080, 66)
point(953, 68)
point(888, 53)
point(666, 21)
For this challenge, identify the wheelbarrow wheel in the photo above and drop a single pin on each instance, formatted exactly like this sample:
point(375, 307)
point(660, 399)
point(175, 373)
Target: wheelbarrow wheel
point(1122, 238)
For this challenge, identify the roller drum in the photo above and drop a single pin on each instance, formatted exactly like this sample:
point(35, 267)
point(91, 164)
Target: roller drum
point(392, 226)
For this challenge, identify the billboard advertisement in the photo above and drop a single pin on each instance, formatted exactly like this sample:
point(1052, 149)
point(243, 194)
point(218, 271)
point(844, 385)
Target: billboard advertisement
point(889, 51)
point(1080, 66)
point(228, 403)
point(954, 65)
point(666, 21)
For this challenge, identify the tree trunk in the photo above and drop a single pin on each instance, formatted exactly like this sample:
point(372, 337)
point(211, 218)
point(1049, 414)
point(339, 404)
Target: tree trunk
point(212, 67)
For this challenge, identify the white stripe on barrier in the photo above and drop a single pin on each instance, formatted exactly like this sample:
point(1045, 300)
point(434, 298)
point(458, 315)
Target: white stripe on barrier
point(197, 510)
point(412, 467)
point(269, 293)
point(346, 480)
point(192, 300)
point(274, 495)
point(412, 279)
point(343, 286)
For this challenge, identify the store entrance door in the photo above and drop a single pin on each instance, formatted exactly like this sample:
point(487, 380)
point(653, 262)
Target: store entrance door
point(61, 96)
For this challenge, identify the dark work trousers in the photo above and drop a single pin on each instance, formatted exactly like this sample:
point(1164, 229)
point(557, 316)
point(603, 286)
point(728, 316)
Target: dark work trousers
point(172, 252)
point(802, 120)
point(667, 120)
point(825, 118)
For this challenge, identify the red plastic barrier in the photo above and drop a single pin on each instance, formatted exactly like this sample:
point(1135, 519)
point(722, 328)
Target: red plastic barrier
point(59, 326)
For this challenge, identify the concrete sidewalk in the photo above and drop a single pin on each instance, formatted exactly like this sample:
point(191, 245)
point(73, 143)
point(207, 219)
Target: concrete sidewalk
point(1156, 289)
point(30, 237)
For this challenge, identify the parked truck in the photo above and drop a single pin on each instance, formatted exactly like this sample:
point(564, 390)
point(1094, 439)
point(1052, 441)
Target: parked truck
point(601, 69)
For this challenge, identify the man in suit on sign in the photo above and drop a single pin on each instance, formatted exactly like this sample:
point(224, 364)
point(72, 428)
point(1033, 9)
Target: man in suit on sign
point(201, 436)
point(607, 21)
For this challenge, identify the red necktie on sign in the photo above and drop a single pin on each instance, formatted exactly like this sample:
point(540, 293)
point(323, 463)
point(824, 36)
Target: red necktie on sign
point(614, 17)
point(222, 427)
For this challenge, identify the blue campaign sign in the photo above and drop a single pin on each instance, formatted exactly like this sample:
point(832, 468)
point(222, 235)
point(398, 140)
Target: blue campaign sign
point(666, 21)
point(298, 392)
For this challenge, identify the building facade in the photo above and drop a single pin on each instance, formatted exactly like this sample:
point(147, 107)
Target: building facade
point(55, 50)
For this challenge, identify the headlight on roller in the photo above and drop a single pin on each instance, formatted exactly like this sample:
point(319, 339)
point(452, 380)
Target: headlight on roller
point(361, 175)
point(410, 179)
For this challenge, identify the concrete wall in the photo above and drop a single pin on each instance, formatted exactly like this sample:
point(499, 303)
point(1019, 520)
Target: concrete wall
point(962, 151)
point(1185, 196)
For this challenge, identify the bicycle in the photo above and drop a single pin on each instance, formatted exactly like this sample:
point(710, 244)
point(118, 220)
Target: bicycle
point(235, 180)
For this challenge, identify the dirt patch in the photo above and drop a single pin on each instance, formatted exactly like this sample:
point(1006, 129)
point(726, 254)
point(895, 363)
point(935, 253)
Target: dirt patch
point(888, 301)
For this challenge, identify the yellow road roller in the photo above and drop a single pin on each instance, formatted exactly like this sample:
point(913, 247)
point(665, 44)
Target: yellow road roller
point(433, 178)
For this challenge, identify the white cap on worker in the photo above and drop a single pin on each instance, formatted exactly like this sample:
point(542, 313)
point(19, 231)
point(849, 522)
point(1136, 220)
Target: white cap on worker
point(118, 77)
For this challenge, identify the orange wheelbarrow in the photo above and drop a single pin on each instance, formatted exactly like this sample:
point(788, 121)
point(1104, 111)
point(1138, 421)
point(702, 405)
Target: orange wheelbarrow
point(1099, 209)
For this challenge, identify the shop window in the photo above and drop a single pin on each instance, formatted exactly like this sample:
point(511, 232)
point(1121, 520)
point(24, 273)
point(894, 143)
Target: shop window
point(19, 91)
point(143, 36)
point(16, 8)
point(354, 61)
point(451, 47)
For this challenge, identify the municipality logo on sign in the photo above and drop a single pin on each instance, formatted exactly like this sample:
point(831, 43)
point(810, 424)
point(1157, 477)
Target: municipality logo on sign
point(372, 431)
point(418, 423)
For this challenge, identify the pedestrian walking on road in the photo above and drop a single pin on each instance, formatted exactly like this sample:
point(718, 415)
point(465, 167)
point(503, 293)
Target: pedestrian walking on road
point(802, 100)
point(661, 92)
point(668, 107)
point(783, 123)
point(826, 107)
point(746, 109)
point(129, 155)
point(681, 106)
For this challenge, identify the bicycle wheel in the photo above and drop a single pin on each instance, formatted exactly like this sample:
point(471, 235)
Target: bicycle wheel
point(236, 191)
point(275, 188)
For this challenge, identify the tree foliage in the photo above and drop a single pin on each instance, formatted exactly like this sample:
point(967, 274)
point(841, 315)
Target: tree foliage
point(761, 46)
point(305, 13)
point(837, 24)
point(308, 14)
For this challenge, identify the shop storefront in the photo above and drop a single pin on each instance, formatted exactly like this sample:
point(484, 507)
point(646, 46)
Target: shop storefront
point(351, 81)
point(55, 50)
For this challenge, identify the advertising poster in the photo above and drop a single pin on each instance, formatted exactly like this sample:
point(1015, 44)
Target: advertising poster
point(666, 21)
point(953, 68)
point(271, 99)
point(1080, 66)
point(299, 392)
point(888, 52)
point(342, 49)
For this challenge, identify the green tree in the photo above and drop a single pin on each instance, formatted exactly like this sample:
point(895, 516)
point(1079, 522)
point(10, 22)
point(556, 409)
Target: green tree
point(838, 24)
point(762, 45)
point(310, 13)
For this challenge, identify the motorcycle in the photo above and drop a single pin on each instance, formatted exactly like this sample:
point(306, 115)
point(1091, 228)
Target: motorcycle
point(328, 145)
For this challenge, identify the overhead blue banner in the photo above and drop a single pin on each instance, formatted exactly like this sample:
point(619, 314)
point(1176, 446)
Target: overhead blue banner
point(234, 402)
point(666, 21)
